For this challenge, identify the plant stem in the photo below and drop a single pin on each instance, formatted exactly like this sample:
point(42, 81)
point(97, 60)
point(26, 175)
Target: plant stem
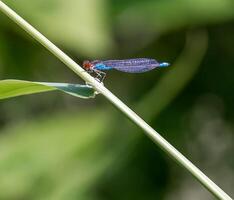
point(150, 132)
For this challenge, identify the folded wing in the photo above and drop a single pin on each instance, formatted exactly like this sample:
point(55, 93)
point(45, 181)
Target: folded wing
point(137, 65)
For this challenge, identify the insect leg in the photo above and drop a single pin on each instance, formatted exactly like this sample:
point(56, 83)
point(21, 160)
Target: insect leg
point(100, 75)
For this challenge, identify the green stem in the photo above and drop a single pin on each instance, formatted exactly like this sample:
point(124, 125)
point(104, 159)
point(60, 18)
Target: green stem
point(150, 132)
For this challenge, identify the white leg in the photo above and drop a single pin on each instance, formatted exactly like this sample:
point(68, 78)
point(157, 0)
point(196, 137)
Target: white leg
point(100, 75)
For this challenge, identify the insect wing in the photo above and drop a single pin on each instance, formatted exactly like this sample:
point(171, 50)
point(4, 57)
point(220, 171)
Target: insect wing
point(138, 65)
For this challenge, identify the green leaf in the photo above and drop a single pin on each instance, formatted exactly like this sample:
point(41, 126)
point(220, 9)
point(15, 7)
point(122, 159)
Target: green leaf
point(12, 88)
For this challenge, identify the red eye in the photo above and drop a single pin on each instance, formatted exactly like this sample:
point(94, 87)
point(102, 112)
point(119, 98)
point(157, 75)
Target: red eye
point(87, 65)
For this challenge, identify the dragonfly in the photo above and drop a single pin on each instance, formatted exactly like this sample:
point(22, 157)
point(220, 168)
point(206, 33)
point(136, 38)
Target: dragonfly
point(136, 65)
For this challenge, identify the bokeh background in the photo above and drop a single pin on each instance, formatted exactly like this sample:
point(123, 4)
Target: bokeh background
point(55, 146)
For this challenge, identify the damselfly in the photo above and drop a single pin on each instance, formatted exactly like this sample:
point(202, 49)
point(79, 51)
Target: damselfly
point(137, 65)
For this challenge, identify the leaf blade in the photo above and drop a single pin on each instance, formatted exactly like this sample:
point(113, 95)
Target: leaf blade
point(12, 88)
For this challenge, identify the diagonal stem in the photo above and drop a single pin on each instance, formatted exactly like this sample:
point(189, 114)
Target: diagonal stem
point(150, 132)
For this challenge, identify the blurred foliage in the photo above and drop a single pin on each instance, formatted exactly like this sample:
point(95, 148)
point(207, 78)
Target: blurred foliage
point(45, 159)
point(55, 147)
point(77, 25)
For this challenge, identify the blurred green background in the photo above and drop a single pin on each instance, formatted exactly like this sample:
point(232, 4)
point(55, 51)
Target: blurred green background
point(55, 146)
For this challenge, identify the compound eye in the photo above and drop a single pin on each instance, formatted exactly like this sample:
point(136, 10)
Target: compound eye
point(87, 64)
